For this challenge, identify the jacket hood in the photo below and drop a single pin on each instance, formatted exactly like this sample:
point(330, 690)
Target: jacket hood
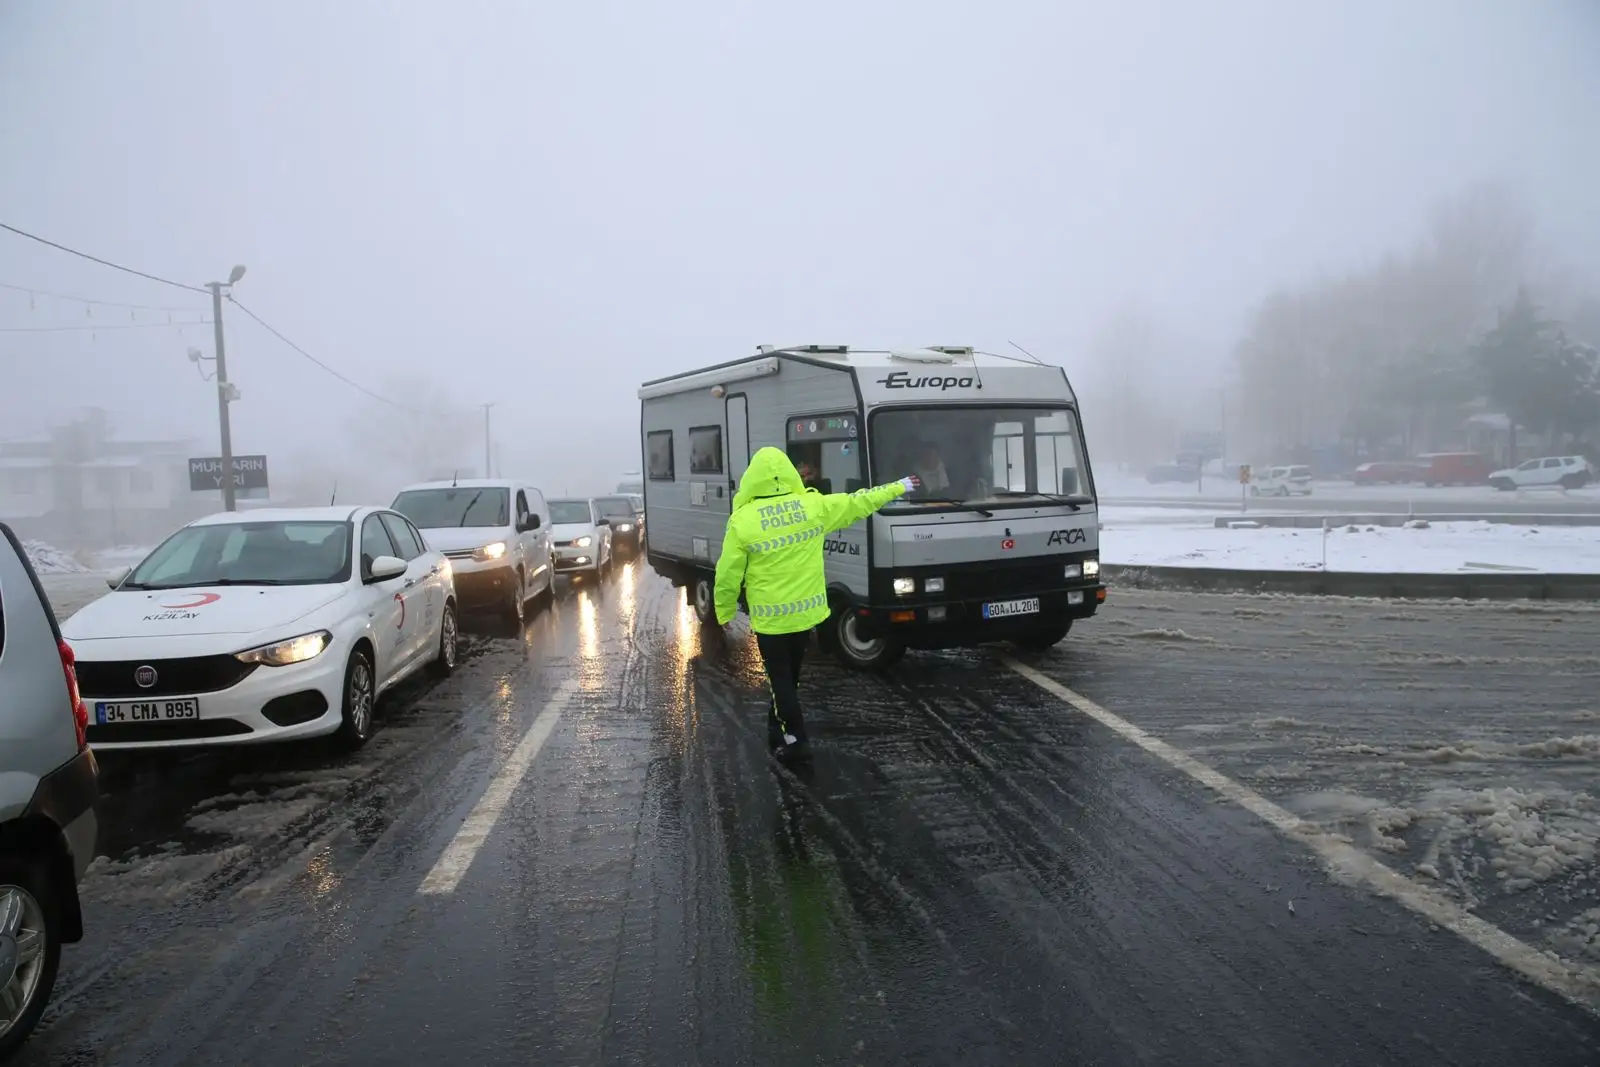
point(770, 474)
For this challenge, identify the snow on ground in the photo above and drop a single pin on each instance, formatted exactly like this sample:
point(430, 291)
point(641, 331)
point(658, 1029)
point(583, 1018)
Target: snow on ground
point(70, 592)
point(1128, 537)
point(112, 559)
point(1402, 497)
point(48, 559)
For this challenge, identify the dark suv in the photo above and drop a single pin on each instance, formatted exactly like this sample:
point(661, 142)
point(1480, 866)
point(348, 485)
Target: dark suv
point(48, 785)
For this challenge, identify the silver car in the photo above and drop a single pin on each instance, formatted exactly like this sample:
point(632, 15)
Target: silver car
point(48, 785)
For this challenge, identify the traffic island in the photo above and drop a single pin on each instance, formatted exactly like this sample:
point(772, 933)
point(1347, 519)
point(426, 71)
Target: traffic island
point(1309, 582)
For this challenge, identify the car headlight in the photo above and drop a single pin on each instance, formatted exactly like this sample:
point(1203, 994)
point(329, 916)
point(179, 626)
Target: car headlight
point(1091, 568)
point(283, 653)
point(624, 528)
point(933, 585)
point(584, 542)
point(905, 586)
point(488, 552)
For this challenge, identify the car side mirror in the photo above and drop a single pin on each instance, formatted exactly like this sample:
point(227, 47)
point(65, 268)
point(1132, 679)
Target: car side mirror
point(385, 567)
point(531, 522)
point(115, 579)
point(602, 521)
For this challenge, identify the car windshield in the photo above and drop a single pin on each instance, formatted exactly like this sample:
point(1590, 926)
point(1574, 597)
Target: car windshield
point(638, 503)
point(286, 552)
point(570, 511)
point(455, 507)
point(981, 455)
point(618, 507)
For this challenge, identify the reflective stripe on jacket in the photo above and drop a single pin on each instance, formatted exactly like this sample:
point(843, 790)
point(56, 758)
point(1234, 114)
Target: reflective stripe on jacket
point(773, 544)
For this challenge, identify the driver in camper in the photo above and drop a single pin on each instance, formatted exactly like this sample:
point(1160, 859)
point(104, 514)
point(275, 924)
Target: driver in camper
point(773, 547)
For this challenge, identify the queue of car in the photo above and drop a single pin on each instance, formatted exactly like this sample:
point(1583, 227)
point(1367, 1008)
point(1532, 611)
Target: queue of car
point(243, 628)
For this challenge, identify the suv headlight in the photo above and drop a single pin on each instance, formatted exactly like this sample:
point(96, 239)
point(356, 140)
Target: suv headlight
point(584, 542)
point(905, 586)
point(490, 552)
point(624, 527)
point(283, 653)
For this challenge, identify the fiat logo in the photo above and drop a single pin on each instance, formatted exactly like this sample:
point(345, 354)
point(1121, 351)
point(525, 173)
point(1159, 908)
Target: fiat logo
point(144, 677)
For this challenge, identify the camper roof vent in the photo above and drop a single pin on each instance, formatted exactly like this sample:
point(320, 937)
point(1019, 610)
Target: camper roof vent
point(922, 355)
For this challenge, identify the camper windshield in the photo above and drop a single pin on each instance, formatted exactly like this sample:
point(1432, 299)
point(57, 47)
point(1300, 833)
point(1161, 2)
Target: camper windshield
point(982, 455)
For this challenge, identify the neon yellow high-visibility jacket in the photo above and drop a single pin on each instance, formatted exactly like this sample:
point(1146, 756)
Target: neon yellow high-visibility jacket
point(774, 544)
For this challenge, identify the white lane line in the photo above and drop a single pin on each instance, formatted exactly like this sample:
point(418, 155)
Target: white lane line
point(1346, 862)
point(463, 848)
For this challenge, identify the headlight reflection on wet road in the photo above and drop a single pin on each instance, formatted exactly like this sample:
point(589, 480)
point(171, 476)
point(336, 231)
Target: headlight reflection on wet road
point(591, 672)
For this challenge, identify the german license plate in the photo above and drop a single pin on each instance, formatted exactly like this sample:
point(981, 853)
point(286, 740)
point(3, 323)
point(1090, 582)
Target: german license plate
point(107, 713)
point(1002, 609)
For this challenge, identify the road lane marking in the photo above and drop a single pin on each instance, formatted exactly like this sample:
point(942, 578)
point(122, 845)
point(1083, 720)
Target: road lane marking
point(1344, 860)
point(463, 848)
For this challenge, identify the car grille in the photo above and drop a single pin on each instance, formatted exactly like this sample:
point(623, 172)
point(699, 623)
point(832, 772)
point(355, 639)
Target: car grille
point(108, 679)
point(191, 730)
point(459, 553)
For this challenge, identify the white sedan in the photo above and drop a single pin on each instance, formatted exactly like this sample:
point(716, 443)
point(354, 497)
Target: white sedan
point(264, 626)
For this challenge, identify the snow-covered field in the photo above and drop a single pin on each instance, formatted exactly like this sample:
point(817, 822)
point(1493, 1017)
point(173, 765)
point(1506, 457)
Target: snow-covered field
point(1166, 538)
point(1225, 491)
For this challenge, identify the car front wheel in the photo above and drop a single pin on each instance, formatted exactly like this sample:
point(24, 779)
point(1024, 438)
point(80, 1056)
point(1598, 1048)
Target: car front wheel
point(444, 660)
point(30, 949)
point(360, 697)
point(516, 604)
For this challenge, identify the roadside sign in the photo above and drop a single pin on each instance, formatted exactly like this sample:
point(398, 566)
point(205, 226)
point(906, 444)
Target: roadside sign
point(205, 473)
point(1244, 474)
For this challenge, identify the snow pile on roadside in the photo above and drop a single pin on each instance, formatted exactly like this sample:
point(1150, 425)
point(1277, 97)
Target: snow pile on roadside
point(48, 559)
point(1442, 548)
point(1529, 837)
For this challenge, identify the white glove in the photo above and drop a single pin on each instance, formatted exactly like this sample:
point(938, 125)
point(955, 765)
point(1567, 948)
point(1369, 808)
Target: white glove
point(911, 483)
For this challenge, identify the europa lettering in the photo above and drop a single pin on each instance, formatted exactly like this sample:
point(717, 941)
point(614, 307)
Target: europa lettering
point(901, 380)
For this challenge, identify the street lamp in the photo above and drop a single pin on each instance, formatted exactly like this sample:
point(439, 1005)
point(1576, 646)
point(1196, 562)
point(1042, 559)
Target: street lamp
point(225, 391)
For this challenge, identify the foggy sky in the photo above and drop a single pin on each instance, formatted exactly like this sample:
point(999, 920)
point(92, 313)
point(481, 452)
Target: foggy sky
point(544, 204)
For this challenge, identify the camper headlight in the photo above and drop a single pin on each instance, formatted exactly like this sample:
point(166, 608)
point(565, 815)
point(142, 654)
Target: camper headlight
point(933, 585)
point(1091, 568)
point(1073, 570)
point(905, 586)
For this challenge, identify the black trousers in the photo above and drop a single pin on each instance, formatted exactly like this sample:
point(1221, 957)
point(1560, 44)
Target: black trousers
point(782, 655)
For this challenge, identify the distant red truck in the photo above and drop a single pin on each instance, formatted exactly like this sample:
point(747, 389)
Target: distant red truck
point(1455, 468)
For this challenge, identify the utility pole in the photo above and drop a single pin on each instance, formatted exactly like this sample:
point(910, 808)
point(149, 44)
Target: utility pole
point(488, 472)
point(223, 389)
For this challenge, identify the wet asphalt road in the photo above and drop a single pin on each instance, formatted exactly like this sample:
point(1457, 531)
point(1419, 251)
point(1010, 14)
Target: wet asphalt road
point(973, 873)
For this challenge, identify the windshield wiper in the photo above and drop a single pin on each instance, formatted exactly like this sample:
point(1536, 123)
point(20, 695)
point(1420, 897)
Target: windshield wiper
point(1074, 502)
point(985, 512)
point(463, 521)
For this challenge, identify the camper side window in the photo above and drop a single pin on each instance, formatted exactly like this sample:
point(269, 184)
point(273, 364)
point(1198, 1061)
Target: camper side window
point(659, 446)
point(827, 452)
point(705, 450)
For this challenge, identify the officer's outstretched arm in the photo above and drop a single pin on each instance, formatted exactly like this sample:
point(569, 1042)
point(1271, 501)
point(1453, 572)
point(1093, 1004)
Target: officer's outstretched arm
point(730, 576)
point(841, 509)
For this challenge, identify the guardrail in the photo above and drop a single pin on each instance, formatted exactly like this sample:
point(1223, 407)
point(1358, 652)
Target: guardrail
point(1306, 521)
point(1452, 586)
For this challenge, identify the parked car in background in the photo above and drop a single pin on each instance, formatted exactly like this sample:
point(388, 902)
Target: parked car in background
point(627, 525)
point(582, 536)
point(48, 785)
point(496, 535)
point(266, 625)
point(1178, 472)
point(1454, 468)
point(1388, 472)
point(1289, 480)
point(1546, 472)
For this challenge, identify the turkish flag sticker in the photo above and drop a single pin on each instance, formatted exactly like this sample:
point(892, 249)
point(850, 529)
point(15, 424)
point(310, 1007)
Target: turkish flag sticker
point(1008, 544)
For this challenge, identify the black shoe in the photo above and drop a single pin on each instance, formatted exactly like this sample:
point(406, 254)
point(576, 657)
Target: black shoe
point(790, 754)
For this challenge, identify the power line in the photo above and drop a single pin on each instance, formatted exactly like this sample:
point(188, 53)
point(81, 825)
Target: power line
point(89, 300)
point(352, 383)
point(102, 262)
point(104, 326)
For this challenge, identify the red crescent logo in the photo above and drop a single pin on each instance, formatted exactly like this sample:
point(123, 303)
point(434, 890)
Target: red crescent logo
point(401, 625)
point(200, 601)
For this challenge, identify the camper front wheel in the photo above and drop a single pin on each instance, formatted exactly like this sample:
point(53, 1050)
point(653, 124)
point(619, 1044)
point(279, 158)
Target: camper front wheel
point(858, 651)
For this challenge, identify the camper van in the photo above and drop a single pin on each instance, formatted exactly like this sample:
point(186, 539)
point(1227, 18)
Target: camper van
point(1001, 543)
